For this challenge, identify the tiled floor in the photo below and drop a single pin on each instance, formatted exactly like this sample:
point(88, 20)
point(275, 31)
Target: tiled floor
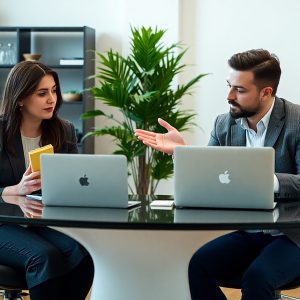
point(28, 298)
point(233, 294)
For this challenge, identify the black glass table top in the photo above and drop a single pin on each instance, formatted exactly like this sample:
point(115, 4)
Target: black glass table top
point(21, 210)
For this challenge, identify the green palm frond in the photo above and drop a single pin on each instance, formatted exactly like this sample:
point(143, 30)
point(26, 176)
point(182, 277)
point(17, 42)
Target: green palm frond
point(147, 48)
point(92, 114)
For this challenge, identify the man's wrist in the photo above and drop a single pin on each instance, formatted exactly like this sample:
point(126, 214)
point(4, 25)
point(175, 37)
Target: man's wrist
point(276, 184)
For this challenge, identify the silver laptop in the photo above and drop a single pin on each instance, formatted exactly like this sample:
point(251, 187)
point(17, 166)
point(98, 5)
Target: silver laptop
point(224, 177)
point(85, 180)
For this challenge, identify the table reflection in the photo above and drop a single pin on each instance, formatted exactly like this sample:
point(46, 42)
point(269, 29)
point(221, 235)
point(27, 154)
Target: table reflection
point(20, 205)
point(286, 213)
point(225, 216)
point(289, 211)
point(85, 214)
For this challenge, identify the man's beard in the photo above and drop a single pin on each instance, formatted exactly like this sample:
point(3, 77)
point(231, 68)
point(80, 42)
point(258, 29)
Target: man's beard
point(242, 113)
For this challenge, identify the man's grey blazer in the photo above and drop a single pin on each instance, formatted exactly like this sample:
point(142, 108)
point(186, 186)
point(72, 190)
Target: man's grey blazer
point(283, 134)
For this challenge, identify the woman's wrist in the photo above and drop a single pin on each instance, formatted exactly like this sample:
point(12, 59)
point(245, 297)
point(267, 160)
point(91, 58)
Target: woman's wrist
point(10, 191)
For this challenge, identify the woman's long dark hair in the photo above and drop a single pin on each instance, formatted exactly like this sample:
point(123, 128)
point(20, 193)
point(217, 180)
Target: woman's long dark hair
point(21, 82)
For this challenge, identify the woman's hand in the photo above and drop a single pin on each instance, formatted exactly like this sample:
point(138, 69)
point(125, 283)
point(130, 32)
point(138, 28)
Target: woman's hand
point(162, 142)
point(29, 183)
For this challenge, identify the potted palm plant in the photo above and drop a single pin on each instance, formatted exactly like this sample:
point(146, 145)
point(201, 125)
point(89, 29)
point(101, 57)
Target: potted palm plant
point(141, 87)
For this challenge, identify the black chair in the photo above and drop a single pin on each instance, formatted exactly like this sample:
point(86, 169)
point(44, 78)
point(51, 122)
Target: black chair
point(234, 282)
point(12, 282)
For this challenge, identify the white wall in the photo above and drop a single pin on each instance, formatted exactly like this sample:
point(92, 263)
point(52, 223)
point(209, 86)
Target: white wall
point(213, 30)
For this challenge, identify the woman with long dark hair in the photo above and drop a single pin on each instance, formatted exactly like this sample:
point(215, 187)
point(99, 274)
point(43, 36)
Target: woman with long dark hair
point(56, 266)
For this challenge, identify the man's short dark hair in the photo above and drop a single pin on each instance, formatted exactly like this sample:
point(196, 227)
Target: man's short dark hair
point(264, 65)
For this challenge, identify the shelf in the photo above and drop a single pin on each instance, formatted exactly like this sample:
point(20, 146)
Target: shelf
point(79, 67)
point(72, 102)
point(6, 66)
point(66, 66)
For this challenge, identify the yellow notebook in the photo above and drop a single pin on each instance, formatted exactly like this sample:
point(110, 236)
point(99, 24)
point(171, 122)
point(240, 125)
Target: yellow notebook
point(34, 156)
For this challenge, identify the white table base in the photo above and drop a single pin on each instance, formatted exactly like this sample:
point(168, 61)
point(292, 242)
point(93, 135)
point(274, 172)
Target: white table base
point(140, 264)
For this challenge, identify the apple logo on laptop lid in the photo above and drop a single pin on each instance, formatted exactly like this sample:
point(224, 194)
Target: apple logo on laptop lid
point(84, 180)
point(224, 177)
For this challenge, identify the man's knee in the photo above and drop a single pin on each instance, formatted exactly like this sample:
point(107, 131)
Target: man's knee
point(256, 277)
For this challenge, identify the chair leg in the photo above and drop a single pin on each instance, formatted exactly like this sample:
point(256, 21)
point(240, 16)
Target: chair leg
point(14, 295)
point(11, 295)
